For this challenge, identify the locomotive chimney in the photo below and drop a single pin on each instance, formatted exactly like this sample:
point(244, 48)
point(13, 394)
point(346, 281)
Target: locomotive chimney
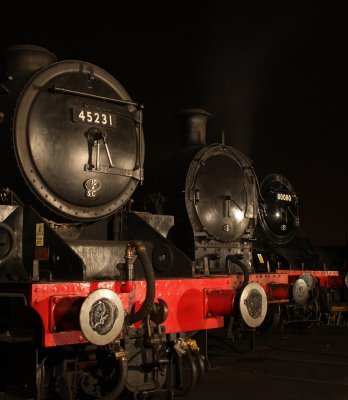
point(192, 122)
point(23, 60)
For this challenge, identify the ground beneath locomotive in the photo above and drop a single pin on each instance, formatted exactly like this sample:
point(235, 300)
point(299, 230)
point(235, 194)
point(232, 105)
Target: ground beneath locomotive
point(301, 362)
point(293, 363)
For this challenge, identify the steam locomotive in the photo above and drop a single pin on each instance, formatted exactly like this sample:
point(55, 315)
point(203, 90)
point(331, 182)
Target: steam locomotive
point(226, 222)
point(312, 288)
point(105, 277)
point(316, 294)
point(277, 244)
point(99, 299)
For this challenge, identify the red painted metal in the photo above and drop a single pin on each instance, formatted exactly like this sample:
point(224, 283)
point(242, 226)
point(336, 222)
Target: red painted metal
point(64, 313)
point(184, 298)
point(277, 291)
point(314, 273)
point(193, 304)
point(218, 302)
point(126, 287)
point(324, 278)
point(268, 282)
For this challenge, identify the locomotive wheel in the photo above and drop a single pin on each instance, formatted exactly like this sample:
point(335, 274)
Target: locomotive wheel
point(197, 356)
point(200, 362)
point(272, 319)
point(61, 389)
point(183, 373)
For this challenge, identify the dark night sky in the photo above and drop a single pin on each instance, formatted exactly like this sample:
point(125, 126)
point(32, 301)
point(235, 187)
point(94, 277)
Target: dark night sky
point(275, 80)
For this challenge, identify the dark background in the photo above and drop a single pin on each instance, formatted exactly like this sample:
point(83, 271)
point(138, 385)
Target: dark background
point(274, 79)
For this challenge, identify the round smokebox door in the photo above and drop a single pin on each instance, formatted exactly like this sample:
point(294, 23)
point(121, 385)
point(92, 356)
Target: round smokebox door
point(221, 198)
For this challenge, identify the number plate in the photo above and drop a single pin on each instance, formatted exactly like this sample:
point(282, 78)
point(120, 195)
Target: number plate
point(93, 117)
point(284, 197)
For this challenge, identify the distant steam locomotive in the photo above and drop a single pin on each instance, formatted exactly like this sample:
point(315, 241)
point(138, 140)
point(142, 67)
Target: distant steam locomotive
point(97, 300)
point(211, 192)
point(318, 295)
point(225, 222)
point(277, 246)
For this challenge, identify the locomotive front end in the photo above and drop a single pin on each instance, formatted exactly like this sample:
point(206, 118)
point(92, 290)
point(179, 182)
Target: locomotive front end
point(76, 134)
point(211, 192)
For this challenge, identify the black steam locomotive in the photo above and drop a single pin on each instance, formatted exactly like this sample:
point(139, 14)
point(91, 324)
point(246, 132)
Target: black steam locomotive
point(277, 245)
point(227, 223)
point(211, 192)
point(98, 300)
point(315, 293)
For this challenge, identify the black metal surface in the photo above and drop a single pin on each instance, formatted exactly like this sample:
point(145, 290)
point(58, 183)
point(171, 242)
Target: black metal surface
point(193, 127)
point(221, 197)
point(211, 192)
point(143, 359)
point(25, 263)
point(19, 356)
point(80, 149)
point(167, 259)
point(278, 212)
point(100, 258)
point(277, 245)
point(23, 60)
point(72, 172)
point(298, 253)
